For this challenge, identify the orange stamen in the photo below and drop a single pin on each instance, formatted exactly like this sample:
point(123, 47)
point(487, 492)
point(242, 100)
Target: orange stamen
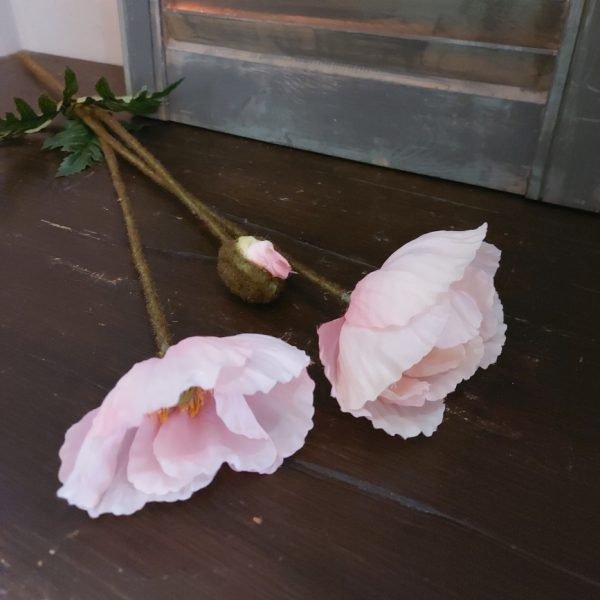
point(194, 406)
point(191, 401)
point(163, 415)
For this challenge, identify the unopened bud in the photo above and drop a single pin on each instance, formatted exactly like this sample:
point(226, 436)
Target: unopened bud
point(252, 269)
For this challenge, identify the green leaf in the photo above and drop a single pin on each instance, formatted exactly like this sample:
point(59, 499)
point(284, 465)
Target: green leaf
point(71, 87)
point(143, 103)
point(27, 121)
point(103, 88)
point(26, 112)
point(47, 105)
point(80, 142)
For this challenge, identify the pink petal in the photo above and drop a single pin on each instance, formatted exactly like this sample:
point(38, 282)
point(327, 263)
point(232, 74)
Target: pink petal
point(442, 384)
point(122, 498)
point(263, 254)
point(94, 469)
point(187, 447)
point(73, 440)
point(413, 278)
point(270, 361)
point(143, 469)
point(464, 320)
point(487, 259)
point(438, 361)
point(237, 416)
point(406, 421)
point(370, 360)
point(493, 319)
point(157, 383)
point(286, 413)
point(329, 347)
point(458, 247)
point(479, 285)
point(406, 392)
point(493, 331)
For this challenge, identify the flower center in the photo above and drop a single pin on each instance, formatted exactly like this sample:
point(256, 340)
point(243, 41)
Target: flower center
point(191, 401)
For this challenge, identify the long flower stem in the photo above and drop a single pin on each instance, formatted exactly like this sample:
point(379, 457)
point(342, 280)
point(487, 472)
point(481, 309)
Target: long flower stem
point(182, 193)
point(154, 308)
point(139, 156)
point(52, 84)
point(159, 175)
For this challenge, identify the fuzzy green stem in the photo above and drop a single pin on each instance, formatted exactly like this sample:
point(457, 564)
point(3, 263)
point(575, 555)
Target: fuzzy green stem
point(155, 311)
point(150, 166)
point(198, 208)
point(181, 193)
point(50, 82)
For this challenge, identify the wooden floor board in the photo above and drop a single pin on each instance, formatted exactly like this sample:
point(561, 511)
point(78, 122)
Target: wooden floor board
point(502, 502)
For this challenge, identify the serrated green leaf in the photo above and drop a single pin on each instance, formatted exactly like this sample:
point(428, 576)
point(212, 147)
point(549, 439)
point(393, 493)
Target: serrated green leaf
point(47, 105)
point(103, 88)
point(79, 161)
point(143, 103)
point(71, 87)
point(27, 113)
point(80, 142)
point(27, 120)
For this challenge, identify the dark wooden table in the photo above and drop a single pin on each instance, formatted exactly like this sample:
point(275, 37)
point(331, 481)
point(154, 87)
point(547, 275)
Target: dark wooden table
point(502, 502)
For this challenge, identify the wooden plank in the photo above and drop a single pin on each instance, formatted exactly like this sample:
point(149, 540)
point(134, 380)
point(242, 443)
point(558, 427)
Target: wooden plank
point(501, 502)
point(138, 45)
point(459, 131)
point(533, 23)
point(555, 98)
point(383, 50)
point(571, 175)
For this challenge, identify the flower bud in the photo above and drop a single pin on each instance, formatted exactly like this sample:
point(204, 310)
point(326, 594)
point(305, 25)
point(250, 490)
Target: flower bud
point(252, 269)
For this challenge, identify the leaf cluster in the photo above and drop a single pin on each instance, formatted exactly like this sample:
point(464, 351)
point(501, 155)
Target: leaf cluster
point(80, 143)
point(141, 104)
point(27, 120)
point(76, 139)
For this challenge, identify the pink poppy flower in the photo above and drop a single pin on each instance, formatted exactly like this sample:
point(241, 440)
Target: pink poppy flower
point(169, 424)
point(414, 330)
point(263, 254)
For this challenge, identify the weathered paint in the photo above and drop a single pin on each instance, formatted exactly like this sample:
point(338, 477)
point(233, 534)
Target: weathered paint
point(573, 170)
point(454, 89)
point(431, 129)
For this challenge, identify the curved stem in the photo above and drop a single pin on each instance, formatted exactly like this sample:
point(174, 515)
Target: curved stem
point(180, 192)
point(199, 208)
point(51, 83)
point(150, 166)
point(154, 308)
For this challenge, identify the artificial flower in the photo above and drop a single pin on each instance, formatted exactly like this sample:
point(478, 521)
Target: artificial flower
point(252, 269)
point(168, 425)
point(414, 329)
point(263, 254)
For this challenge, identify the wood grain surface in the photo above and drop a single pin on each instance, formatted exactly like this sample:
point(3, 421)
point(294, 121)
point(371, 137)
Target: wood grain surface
point(502, 502)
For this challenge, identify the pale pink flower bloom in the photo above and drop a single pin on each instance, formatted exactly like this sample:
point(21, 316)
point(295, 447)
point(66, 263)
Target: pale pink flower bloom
point(414, 330)
point(263, 254)
point(169, 424)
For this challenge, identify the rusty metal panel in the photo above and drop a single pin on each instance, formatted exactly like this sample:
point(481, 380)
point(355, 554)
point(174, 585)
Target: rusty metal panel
point(533, 23)
point(449, 88)
point(364, 46)
point(465, 132)
point(573, 171)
